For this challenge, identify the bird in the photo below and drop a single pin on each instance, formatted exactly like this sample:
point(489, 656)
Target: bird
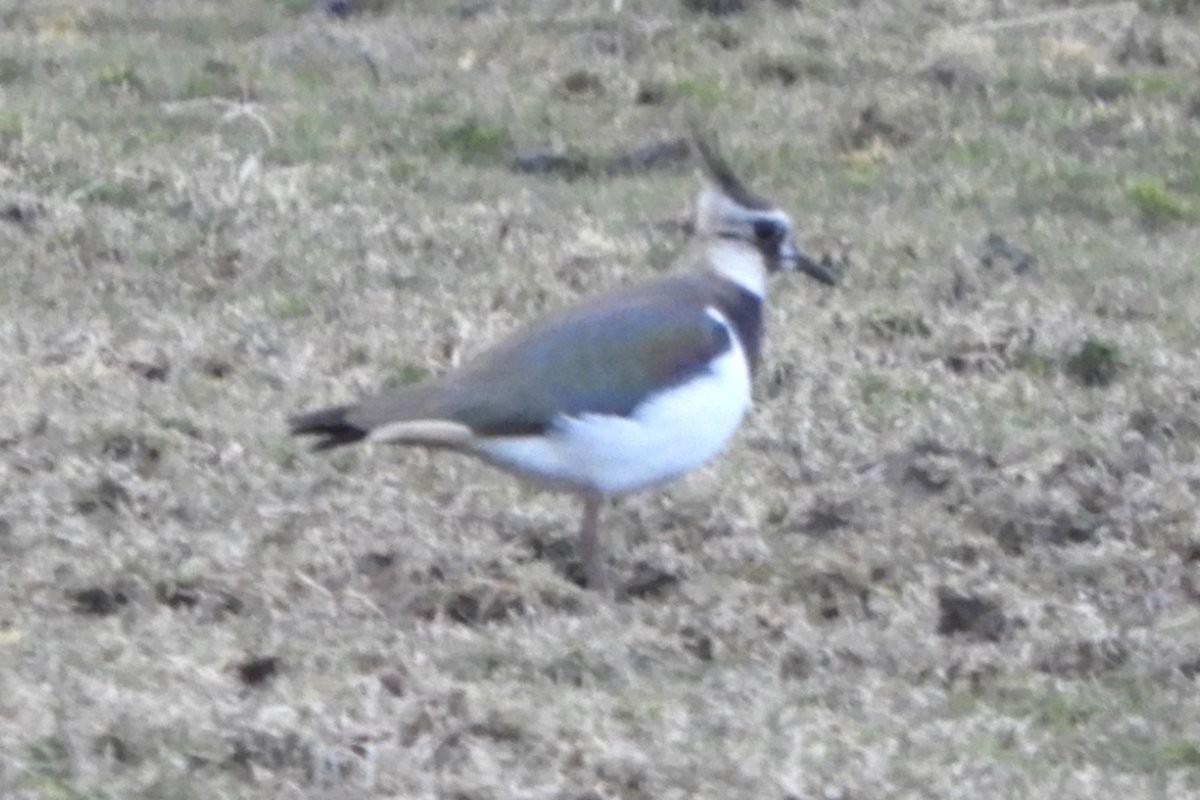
point(619, 393)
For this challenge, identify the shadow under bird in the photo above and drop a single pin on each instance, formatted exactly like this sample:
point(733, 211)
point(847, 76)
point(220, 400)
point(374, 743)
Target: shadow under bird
point(616, 394)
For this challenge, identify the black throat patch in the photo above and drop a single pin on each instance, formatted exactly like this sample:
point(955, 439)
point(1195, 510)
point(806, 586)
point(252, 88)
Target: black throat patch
point(744, 309)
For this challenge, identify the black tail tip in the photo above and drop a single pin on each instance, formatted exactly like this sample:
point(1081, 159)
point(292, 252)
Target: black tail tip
point(330, 425)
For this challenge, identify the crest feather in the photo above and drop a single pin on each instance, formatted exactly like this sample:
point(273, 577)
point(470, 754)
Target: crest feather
point(718, 169)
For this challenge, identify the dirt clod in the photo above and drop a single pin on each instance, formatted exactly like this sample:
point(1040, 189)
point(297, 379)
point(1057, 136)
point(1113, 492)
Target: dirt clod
point(796, 664)
point(655, 155)
point(874, 126)
point(98, 601)
point(648, 580)
point(545, 163)
point(106, 494)
point(832, 596)
point(825, 519)
point(1083, 658)
point(697, 642)
point(257, 670)
point(158, 369)
point(976, 618)
point(996, 250)
point(717, 8)
point(177, 596)
point(1097, 362)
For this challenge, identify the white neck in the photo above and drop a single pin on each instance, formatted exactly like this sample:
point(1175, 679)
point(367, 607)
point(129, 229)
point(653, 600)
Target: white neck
point(739, 262)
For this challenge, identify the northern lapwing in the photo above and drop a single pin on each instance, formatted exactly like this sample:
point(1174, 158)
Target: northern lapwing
point(619, 393)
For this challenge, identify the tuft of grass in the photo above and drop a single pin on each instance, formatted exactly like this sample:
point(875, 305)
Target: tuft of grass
point(1157, 755)
point(582, 81)
point(121, 76)
point(1167, 85)
point(775, 69)
point(284, 452)
point(861, 178)
point(1179, 753)
point(12, 69)
point(1016, 114)
point(1079, 179)
point(1108, 87)
point(723, 35)
point(47, 771)
point(976, 153)
point(996, 747)
point(292, 306)
point(215, 78)
point(1156, 202)
point(787, 70)
point(1069, 187)
point(120, 194)
point(1038, 366)
point(890, 326)
point(311, 78)
point(474, 140)
point(307, 137)
point(1097, 362)
point(916, 394)
point(405, 375)
point(12, 129)
point(295, 6)
point(1171, 6)
point(1185, 173)
point(401, 170)
point(152, 255)
point(1064, 712)
point(873, 389)
point(707, 93)
point(431, 104)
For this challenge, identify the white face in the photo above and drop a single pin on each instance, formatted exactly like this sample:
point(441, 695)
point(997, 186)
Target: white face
point(717, 215)
point(735, 262)
point(768, 231)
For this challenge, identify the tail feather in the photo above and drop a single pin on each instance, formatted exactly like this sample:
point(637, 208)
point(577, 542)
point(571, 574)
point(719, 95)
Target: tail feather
point(331, 424)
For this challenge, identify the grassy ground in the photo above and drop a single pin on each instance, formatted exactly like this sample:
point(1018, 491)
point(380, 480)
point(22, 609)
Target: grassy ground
point(953, 553)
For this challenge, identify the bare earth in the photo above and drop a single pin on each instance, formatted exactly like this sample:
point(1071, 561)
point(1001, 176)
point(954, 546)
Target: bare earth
point(954, 552)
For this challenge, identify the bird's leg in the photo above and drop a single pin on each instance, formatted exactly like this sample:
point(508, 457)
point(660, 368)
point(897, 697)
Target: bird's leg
point(589, 543)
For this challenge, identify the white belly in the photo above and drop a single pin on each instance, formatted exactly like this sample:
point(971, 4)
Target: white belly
point(661, 439)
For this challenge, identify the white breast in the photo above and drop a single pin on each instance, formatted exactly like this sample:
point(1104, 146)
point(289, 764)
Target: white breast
point(739, 262)
point(670, 434)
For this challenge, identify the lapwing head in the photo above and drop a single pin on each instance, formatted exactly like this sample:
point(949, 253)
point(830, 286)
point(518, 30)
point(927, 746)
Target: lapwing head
point(728, 210)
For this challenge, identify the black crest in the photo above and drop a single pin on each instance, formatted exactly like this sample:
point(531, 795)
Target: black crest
point(718, 168)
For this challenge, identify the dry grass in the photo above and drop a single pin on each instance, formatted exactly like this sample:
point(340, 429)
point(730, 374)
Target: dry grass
point(954, 553)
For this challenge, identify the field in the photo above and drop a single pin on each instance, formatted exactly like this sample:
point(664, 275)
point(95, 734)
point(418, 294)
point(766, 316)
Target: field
point(953, 553)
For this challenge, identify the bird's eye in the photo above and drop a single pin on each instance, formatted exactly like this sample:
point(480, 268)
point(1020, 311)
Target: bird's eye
point(769, 230)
